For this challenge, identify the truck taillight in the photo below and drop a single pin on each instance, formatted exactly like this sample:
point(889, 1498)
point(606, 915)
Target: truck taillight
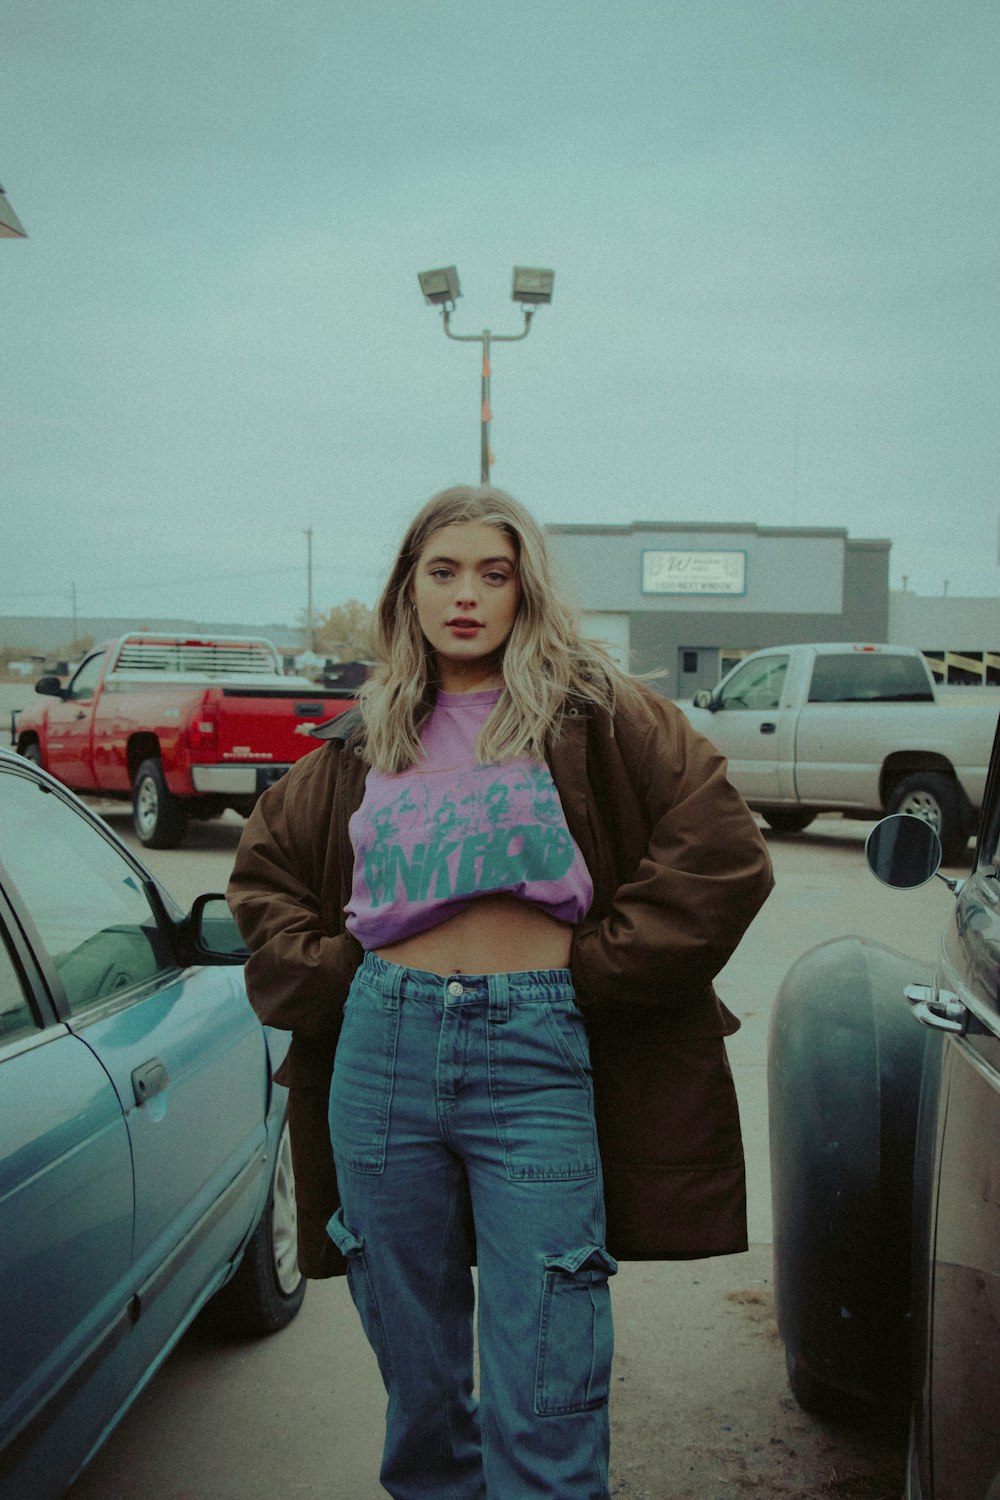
point(203, 735)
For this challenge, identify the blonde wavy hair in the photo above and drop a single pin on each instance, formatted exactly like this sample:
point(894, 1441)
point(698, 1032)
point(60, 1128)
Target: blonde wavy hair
point(546, 663)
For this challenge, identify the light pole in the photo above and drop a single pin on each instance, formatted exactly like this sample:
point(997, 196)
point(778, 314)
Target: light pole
point(531, 288)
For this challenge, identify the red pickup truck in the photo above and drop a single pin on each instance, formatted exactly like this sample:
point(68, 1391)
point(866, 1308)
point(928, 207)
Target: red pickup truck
point(183, 727)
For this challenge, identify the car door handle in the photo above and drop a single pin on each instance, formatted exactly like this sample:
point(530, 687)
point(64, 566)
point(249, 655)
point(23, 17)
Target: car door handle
point(768, 727)
point(148, 1080)
point(938, 1009)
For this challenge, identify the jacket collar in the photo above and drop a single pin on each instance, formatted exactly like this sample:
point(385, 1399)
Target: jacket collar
point(337, 728)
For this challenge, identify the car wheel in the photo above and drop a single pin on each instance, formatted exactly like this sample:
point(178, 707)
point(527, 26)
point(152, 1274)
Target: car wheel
point(845, 1063)
point(818, 1398)
point(787, 819)
point(159, 818)
point(267, 1290)
point(33, 752)
point(934, 798)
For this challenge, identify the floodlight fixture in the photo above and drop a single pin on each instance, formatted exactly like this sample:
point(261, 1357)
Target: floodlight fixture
point(441, 287)
point(531, 285)
point(11, 227)
point(531, 288)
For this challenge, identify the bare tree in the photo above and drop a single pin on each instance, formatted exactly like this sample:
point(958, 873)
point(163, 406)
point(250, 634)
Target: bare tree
point(343, 634)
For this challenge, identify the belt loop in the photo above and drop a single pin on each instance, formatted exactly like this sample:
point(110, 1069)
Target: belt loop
point(392, 985)
point(499, 992)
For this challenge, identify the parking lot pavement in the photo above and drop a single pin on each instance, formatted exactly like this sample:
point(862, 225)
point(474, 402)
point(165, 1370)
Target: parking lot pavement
point(701, 1410)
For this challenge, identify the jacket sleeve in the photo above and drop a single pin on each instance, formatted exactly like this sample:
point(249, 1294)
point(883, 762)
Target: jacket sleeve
point(705, 872)
point(301, 962)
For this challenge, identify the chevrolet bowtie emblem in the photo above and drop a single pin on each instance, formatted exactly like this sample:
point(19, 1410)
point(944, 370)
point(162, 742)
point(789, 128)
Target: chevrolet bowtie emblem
point(305, 728)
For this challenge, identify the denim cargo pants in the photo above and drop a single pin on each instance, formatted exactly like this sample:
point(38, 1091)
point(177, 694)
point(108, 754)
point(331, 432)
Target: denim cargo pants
point(466, 1101)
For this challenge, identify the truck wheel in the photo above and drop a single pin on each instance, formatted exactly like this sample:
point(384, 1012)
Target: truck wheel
point(159, 817)
point(33, 752)
point(935, 798)
point(787, 819)
point(267, 1289)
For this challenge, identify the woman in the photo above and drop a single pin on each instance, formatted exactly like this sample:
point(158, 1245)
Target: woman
point(521, 871)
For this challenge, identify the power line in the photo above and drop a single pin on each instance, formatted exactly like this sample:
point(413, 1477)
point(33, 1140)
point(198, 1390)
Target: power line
point(99, 590)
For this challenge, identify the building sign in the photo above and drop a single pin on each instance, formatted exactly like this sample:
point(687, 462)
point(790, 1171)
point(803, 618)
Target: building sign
point(694, 572)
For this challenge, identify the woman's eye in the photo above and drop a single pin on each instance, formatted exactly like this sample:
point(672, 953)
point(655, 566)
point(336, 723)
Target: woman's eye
point(496, 577)
point(440, 573)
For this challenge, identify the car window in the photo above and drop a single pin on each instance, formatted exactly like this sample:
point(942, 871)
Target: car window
point(869, 677)
point(86, 902)
point(16, 1019)
point(757, 684)
point(84, 683)
point(989, 853)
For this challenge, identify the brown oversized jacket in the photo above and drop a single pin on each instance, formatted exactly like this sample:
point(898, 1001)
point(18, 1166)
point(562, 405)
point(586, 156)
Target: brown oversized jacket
point(679, 870)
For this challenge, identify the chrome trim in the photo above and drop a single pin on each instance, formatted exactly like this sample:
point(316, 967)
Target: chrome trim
point(237, 781)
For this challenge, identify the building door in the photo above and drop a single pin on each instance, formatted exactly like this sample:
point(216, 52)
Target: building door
point(697, 667)
point(612, 632)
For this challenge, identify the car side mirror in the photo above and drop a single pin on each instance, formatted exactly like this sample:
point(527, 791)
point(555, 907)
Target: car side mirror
point(50, 686)
point(703, 699)
point(903, 851)
point(213, 936)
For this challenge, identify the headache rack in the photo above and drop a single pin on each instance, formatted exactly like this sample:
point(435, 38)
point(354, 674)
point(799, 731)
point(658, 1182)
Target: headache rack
point(226, 656)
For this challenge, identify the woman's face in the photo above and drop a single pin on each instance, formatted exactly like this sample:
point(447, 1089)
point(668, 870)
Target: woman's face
point(466, 594)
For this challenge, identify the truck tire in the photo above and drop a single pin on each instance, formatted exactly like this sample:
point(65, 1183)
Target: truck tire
point(936, 799)
point(159, 818)
point(33, 752)
point(787, 819)
point(267, 1290)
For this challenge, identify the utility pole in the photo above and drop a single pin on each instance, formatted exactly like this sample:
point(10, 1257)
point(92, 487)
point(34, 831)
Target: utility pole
point(310, 633)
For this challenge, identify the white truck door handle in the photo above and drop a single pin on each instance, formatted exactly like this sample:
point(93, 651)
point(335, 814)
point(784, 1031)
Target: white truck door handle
point(768, 727)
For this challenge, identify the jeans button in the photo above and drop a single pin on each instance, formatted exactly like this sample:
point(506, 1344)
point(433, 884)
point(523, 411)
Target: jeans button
point(455, 988)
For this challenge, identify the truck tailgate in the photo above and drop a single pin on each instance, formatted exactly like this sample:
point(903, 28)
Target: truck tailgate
point(272, 724)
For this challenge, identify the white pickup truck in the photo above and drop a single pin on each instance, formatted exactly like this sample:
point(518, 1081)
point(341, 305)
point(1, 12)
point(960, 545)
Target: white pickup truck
point(851, 729)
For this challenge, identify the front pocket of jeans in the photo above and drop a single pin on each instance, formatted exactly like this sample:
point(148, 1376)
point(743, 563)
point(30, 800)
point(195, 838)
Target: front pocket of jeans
point(542, 1101)
point(363, 1077)
point(575, 1335)
point(567, 1028)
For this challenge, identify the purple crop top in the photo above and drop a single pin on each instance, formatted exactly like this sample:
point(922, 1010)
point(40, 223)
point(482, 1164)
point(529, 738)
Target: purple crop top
point(428, 840)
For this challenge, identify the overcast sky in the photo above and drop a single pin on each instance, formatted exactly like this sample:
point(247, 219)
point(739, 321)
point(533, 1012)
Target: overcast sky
point(773, 223)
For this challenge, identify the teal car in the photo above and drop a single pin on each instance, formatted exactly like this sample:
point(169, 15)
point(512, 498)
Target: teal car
point(145, 1171)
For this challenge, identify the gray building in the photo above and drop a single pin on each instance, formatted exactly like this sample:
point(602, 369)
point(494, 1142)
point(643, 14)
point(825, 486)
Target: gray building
point(959, 637)
point(688, 599)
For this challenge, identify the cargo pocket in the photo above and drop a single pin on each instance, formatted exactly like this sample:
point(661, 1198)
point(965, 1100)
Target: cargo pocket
point(575, 1337)
point(352, 1248)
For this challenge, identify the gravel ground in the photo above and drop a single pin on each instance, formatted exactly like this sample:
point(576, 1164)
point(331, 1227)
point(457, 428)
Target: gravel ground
point(701, 1407)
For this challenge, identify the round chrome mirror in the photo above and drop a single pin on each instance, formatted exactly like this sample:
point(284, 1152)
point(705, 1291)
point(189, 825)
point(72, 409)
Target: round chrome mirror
point(903, 851)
